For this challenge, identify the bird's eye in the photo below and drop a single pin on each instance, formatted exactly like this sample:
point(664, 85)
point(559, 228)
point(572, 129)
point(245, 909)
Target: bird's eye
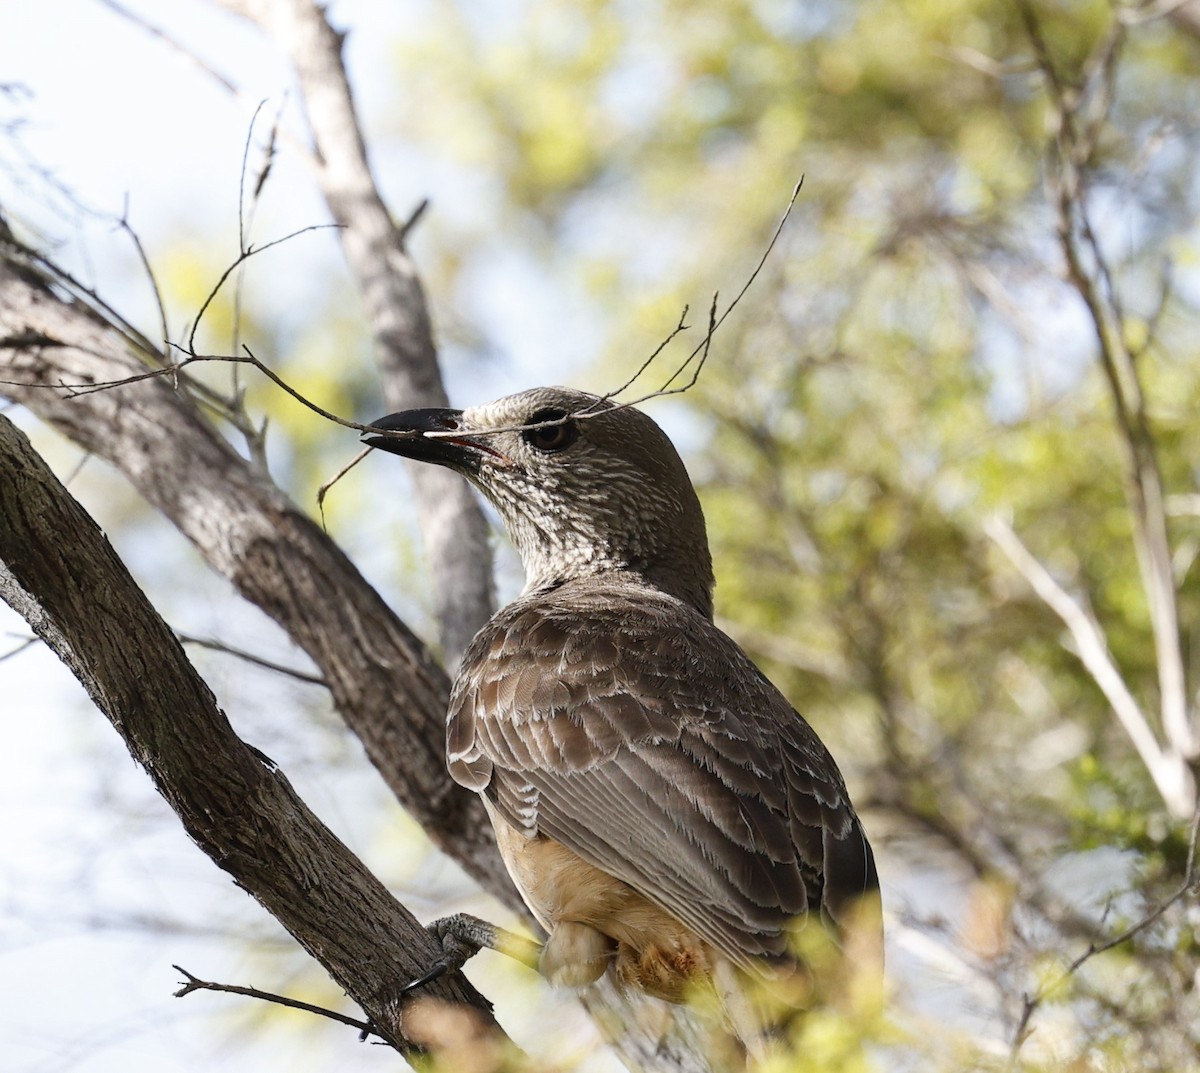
point(549, 439)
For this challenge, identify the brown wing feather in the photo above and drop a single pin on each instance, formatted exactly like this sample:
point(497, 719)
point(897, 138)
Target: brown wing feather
point(624, 725)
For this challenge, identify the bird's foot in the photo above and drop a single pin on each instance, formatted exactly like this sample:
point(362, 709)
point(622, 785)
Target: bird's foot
point(462, 936)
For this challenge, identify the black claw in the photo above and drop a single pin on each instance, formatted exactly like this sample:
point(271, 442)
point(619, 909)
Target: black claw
point(439, 970)
point(460, 941)
point(462, 936)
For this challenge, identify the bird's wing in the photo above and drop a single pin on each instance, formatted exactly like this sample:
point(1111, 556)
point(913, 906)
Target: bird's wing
point(635, 733)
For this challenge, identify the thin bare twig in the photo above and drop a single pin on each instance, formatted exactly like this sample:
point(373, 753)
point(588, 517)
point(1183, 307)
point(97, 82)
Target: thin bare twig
point(1190, 880)
point(26, 257)
point(59, 280)
point(172, 43)
point(705, 346)
point(1033, 1001)
point(701, 351)
point(242, 228)
point(76, 469)
point(414, 218)
point(249, 657)
point(270, 151)
point(194, 983)
point(715, 322)
point(22, 644)
point(255, 435)
point(680, 327)
point(324, 489)
point(173, 370)
point(302, 151)
point(124, 224)
point(244, 255)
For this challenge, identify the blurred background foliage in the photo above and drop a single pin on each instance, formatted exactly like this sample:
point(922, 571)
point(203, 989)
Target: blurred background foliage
point(912, 360)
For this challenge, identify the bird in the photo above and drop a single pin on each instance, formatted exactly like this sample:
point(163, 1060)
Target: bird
point(666, 814)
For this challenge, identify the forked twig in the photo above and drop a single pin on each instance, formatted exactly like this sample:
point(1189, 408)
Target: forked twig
point(701, 350)
point(124, 224)
point(365, 1028)
point(698, 355)
point(244, 255)
point(324, 489)
point(1191, 880)
point(680, 327)
point(714, 323)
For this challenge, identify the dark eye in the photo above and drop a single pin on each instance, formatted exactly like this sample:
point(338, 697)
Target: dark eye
point(550, 438)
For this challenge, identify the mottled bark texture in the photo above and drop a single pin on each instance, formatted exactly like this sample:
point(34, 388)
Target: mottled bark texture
point(63, 576)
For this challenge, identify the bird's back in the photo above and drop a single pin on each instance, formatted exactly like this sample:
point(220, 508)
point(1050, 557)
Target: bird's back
point(621, 724)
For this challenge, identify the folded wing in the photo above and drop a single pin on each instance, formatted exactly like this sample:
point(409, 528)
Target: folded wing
point(625, 726)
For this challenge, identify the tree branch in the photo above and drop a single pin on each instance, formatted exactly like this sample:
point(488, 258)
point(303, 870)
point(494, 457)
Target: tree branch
point(1079, 114)
point(452, 522)
point(1167, 768)
point(383, 681)
point(1186, 887)
point(63, 577)
point(250, 657)
point(194, 983)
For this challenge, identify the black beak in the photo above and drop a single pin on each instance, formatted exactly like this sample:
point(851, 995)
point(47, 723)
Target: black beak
point(461, 453)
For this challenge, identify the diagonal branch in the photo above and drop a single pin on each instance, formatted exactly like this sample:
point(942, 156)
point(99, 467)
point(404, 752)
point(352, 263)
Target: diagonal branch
point(194, 983)
point(250, 657)
point(58, 571)
point(1143, 476)
point(382, 680)
point(1187, 887)
point(1167, 768)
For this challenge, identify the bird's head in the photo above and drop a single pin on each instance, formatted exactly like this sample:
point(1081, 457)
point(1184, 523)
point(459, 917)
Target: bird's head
point(584, 487)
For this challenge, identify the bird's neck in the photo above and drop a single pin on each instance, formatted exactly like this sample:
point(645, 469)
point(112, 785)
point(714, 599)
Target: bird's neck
point(685, 574)
point(694, 588)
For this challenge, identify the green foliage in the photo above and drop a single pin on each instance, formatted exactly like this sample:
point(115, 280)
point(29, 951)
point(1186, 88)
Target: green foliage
point(910, 362)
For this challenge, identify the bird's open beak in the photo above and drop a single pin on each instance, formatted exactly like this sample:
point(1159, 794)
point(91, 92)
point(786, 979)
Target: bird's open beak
point(459, 452)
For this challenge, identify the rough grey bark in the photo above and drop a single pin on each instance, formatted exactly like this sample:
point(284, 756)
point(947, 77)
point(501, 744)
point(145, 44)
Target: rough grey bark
point(384, 682)
point(62, 575)
point(452, 524)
